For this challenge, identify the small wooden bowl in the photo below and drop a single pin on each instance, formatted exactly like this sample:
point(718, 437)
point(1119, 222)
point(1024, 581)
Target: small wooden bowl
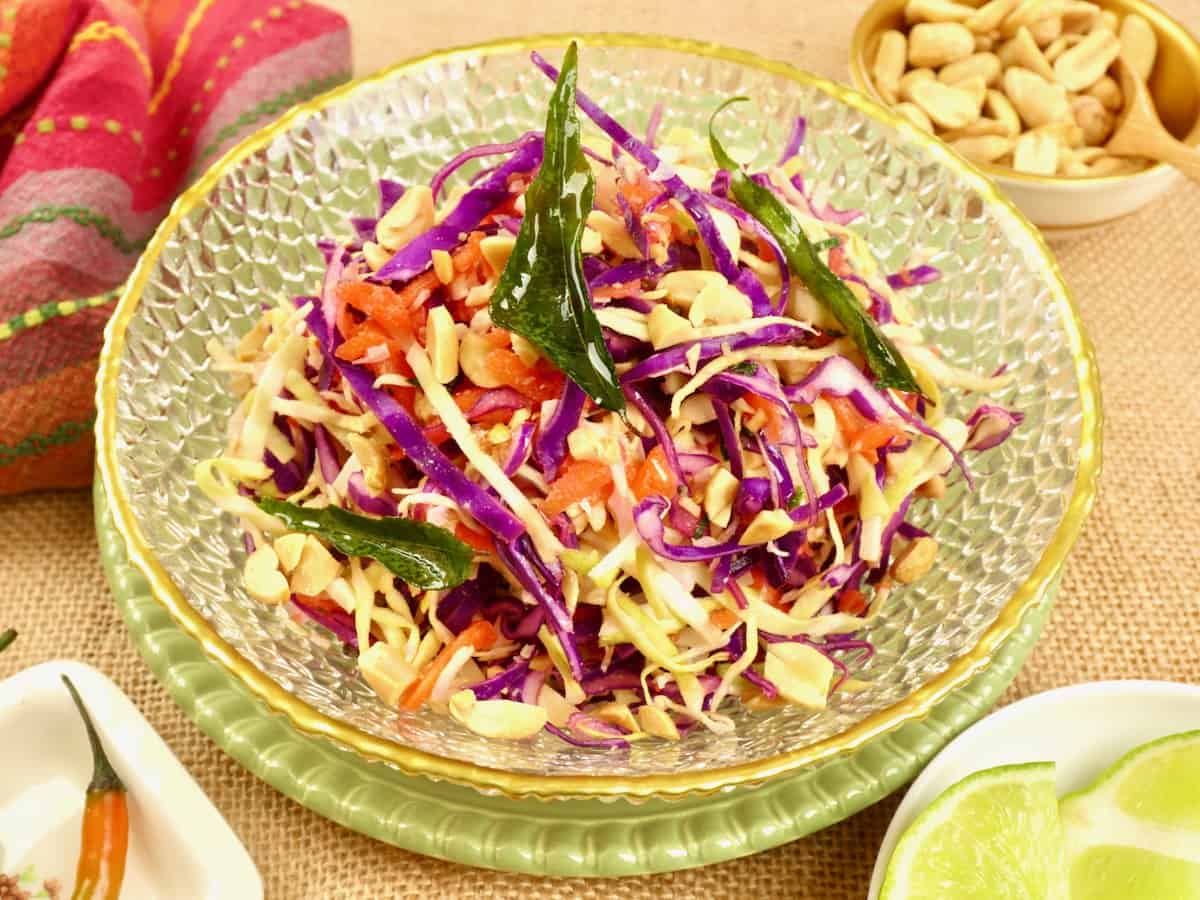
point(1057, 201)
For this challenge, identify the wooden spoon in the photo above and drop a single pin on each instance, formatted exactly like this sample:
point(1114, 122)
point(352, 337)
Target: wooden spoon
point(1139, 132)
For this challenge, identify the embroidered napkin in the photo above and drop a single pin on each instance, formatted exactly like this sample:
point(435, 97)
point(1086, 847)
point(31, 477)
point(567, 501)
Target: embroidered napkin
point(108, 108)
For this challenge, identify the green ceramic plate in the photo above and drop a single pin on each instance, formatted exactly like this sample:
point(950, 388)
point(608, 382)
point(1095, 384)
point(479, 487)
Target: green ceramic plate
point(569, 837)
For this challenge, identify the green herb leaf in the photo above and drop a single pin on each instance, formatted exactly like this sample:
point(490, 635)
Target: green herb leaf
point(423, 555)
point(827, 244)
point(701, 527)
point(746, 367)
point(7, 638)
point(542, 294)
point(881, 354)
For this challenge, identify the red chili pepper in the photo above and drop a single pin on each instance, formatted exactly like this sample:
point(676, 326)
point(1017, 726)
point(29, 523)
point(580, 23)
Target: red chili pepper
point(105, 837)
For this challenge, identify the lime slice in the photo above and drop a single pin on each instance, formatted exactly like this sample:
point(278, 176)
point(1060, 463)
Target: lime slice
point(1135, 833)
point(993, 836)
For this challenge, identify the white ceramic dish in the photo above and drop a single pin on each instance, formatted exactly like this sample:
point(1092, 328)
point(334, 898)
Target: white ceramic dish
point(1083, 728)
point(179, 846)
point(1079, 202)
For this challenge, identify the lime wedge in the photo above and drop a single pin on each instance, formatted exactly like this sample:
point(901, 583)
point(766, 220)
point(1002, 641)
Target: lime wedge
point(1135, 833)
point(993, 836)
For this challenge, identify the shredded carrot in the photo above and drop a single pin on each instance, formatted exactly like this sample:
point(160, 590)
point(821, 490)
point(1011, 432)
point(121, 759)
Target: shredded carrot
point(638, 192)
point(468, 256)
point(774, 426)
point(723, 618)
point(481, 635)
point(366, 337)
point(860, 433)
point(770, 594)
point(539, 382)
point(581, 479)
point(763, 249)
point(654, 476)
point(852, 602)
point(838, 264)
point(321, 602)
point(481, 541)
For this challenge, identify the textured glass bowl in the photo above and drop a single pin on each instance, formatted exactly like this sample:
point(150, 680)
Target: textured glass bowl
point(244, 235)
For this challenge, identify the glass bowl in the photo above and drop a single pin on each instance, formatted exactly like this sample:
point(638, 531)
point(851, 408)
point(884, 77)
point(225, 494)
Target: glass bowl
point(245, 233)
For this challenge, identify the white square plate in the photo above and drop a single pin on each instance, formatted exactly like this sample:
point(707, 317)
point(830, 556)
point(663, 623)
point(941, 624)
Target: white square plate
point(179, 846)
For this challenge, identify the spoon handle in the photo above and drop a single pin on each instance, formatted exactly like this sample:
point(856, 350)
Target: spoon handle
point(1184, 158)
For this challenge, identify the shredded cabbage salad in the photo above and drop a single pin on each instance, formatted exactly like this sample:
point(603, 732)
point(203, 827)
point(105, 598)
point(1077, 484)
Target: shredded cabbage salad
point(712, 506)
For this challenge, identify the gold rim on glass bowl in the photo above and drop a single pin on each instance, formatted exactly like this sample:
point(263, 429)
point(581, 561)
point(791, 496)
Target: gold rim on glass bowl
point(691, 782)
point(1178, 66)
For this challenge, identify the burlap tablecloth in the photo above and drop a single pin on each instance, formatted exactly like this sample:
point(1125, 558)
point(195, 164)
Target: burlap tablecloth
point(1127, 608)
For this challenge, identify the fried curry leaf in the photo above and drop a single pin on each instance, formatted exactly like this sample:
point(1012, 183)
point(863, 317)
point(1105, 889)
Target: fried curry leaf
point(419, 553)
point(542, 294)
point(882, 357)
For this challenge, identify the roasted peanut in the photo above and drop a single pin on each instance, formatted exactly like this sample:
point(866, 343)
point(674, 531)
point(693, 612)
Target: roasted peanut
point(1087, 155)
point(988, 148)
point(981, 127)
point(1139, 45)
point(985, 64)
point(976, 87)
point(889, 64)
point(1116, 165)
point(1055, 50)
point(1066, 134)
point(409, 216)
point(914, 114)
point(1108, 92)
point(911, 78)
point(1000, 108)
point(1030, 11)
point(1080, 66)
point(1046, 30)
point(1036, 100)
point(937, 44)
point(1021, 50)
point(949, 107)
point(989, 16)
point(1080, 17)
point(1036, 154)
point(915, 560)
point(1091, 116)
point(442, 341)
point(936, 11)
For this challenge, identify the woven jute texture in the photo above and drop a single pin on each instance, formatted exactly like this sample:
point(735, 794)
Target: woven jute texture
point(1127, 607)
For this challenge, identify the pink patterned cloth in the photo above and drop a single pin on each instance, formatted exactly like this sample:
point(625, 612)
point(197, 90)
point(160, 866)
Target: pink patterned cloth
point(109, 109)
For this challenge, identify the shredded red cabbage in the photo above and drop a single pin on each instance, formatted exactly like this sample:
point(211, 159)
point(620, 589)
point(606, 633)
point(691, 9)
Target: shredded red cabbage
point(841, 378)
point(550, 446)
point(374, 504)
point(991, 425)
point(415, 257)
point(488, 511)
point(522, 444)
point(647, 518)
point(471, 153)
point(913, 277)
point(795, 140)
point(675, 359)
